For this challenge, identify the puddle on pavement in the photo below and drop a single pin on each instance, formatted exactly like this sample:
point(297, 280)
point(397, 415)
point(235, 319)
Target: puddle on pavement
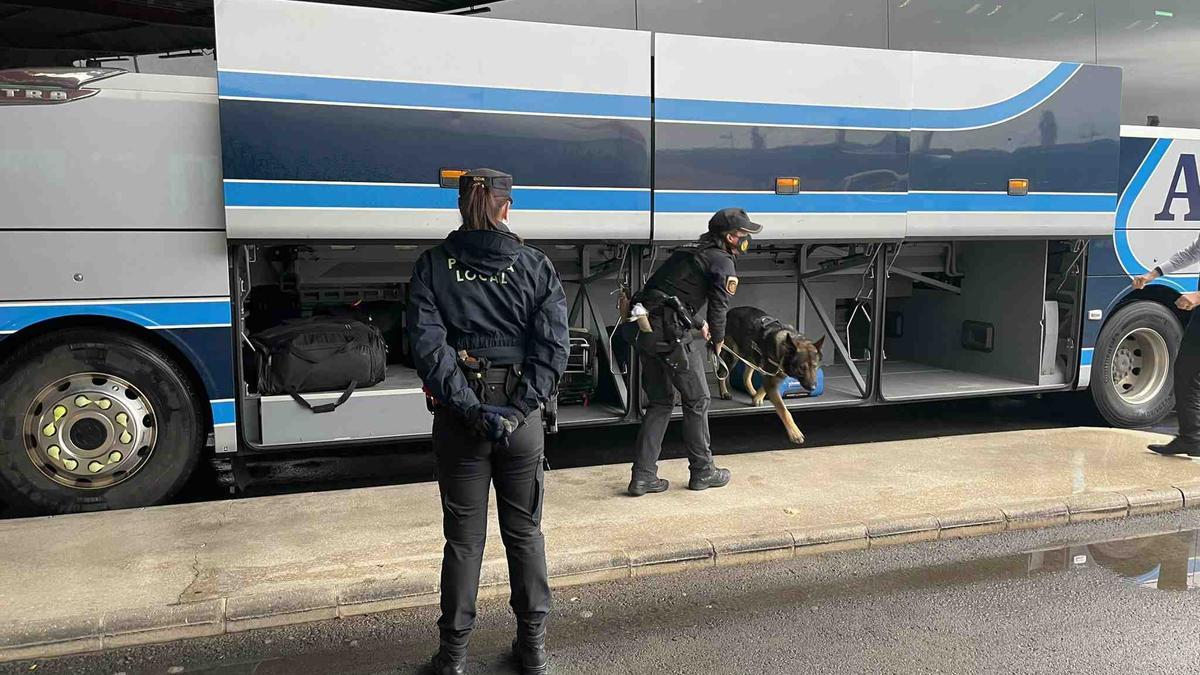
point(1166, 562)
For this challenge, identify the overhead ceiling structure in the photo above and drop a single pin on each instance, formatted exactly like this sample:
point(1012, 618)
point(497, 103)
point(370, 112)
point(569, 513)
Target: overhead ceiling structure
point(58, 32)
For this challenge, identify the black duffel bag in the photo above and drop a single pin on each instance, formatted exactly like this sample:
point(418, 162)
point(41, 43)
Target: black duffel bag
point(320, 354)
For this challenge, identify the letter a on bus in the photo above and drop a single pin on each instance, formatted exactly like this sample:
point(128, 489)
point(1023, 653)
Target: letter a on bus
point(1191, 190)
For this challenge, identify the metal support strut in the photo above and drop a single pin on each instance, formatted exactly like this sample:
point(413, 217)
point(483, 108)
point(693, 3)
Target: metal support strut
point(584, 306)
point(826, 323)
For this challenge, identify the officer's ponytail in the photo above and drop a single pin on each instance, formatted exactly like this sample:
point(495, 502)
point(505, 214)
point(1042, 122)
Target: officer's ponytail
point(481, 208)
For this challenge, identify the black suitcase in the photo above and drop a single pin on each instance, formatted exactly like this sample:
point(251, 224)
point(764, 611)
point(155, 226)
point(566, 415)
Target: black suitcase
point(319, 354)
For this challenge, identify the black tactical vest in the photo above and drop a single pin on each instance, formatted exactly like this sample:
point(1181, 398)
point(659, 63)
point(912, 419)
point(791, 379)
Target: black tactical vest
point(683, 275)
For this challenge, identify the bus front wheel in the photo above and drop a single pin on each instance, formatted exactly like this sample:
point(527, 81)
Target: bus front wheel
point(94, 419)
point(1131, 365)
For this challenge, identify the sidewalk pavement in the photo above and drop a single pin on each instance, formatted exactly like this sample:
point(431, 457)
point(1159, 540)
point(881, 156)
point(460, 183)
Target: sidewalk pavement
point(101, 580)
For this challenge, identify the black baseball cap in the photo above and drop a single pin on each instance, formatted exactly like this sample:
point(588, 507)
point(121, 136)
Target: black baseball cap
point(732, 220)
point(498, 182)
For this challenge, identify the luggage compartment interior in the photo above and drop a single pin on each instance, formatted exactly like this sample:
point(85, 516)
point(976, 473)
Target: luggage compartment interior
point(769, 279)
point(980, 317)
point(368, 282)
point(960, 318)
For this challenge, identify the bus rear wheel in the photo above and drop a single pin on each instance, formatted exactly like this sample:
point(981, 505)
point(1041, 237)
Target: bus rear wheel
point(1131, 380)
point(94, 419)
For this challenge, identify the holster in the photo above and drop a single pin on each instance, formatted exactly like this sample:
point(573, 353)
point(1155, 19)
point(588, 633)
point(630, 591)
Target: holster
point(666, 338)
point(550, 412)
point(497, 385)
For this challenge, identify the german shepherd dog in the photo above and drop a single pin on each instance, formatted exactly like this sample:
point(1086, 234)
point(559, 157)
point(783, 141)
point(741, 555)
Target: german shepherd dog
point(776, 348)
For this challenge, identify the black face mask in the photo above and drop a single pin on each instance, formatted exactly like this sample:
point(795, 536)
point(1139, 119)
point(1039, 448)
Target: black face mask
point(743, 243)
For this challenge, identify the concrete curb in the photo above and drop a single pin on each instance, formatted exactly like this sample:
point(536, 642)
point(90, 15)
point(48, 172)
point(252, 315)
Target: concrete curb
point(80, 634)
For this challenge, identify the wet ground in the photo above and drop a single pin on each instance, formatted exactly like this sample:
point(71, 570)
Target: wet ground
point(363, 466)
point(1098, 598)
point(413, 462)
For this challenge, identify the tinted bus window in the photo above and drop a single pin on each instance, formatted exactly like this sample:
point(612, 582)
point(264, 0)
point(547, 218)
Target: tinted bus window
point(1157, 44)
point(606, 13)
point(852, 23)
point(1058, 30)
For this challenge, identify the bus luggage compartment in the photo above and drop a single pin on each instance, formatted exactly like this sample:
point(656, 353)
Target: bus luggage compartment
point(368, 283)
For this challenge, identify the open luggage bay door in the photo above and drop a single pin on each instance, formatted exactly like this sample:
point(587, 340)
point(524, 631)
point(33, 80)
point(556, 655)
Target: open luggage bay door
point(336, 121)
point(732, 117)
point(1012, 148)
point(826, 143)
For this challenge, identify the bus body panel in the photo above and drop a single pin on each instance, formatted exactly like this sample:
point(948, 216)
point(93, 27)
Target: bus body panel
point(731, 116)
point(114, 209)
point(887, 144)
point(1061, 133)
point(77, 164)
point(336, 121)
point(1159, 185)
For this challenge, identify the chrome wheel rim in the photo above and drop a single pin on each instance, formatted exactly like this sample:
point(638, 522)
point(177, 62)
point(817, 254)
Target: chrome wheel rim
point(1140, 366)
point(90, 430)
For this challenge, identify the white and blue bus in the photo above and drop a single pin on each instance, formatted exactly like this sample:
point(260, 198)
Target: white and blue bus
point(968, 212)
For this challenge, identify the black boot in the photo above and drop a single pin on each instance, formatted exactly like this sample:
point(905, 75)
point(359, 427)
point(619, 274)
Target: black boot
point(529, 650)
point(637, 488)
point(1177, 446)
point(448, 662)
point(709, 478)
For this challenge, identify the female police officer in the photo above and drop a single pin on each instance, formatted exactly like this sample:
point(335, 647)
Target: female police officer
point(487, 319)
point(691, 277)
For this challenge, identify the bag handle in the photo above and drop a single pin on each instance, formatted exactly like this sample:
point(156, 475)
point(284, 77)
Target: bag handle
point(325, 407)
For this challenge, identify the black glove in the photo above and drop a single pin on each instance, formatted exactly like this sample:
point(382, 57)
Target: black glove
point(488, 426)
point(513, 418)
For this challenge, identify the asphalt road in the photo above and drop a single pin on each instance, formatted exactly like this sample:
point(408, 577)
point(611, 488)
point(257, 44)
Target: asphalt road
point(1022, 602)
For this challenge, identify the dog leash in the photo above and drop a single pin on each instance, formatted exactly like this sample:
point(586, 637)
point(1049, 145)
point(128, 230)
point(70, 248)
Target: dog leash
point(721, 362)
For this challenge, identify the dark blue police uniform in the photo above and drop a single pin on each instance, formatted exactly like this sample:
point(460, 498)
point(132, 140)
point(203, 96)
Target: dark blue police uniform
point(693, 277)
point(488, 294)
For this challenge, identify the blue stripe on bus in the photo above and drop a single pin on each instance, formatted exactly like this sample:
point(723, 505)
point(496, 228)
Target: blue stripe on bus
point(884, 202)
point(340, 195)
point(1125, 255)
point(768, 114)
point(1085, 356)
point(416, 94)
point(223, 412)
point(690, 110)
point(144, 313)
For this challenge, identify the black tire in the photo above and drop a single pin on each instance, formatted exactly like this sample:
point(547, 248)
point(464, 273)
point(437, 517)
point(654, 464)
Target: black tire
point(1119, 412)
point(179, 422)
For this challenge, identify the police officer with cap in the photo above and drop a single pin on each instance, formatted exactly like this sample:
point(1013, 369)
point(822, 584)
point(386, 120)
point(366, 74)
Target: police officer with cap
point(688, 279)
point(487, 320)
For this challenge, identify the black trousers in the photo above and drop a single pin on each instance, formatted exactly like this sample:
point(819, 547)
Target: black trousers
point(1187, 382)
point(660, 383)
point(467, 467)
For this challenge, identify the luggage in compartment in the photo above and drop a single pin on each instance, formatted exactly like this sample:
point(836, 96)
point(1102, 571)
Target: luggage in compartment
point(319, 354)
point(386, 315)
point(582, 375)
